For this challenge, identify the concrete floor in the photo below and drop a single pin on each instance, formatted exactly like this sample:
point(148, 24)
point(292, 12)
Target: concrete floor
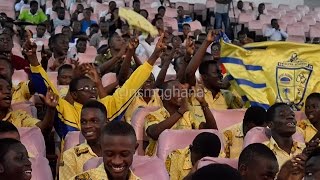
point(312, 3)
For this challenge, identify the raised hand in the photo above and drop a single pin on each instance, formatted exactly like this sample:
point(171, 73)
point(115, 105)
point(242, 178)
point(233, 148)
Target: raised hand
point(199, 94)
point(91, 71)
point(190, 48)
point(133, 44)
point(51, 99)
point(160, 46)
point(29, 47)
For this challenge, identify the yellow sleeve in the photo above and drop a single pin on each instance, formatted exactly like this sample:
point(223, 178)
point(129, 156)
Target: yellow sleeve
point(69, 167)
point(174, 162)
point(153, 118)
point(121, 99)
point(21, 92)
point(26, 119)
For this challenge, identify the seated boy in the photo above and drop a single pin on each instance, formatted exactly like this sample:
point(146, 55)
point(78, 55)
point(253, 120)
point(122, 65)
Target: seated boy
point(118, 144)
point(283, 126)
point(41, 32)
point(180, 162)
point(234, 135)
point(311, 125)
point(257, 161)
point(175, 114)
point(93, 117)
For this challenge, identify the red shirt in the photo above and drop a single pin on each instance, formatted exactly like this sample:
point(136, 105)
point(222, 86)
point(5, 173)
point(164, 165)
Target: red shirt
point(19, 63)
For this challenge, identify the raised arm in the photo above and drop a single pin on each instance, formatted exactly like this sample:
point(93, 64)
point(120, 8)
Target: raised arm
point(108, 65)
point(164, 68)
point(197, 59)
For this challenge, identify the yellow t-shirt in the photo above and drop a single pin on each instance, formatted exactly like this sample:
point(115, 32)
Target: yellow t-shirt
point(179, 163)
point(188, 121)
point(138, 101)
point(21, 119)
point(281, 155)
point(20, 92)
point(74, 159)
point(308, 129)
point(233, 140)
point(99, 174)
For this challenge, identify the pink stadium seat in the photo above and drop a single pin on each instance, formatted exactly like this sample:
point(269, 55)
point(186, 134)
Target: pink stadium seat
point(296, 33)
point(146, 168)
point(171, 22)
point(289, 19)
point(58, 30)
point(152, 10)
point(314, 32)
point(283, 25)
point(19, 76)
point(305, 8)
point(120, 3)
point(227, 118)
point(137, 122)
point(86, 58)
point(305, 25)
point(284, 7)
point(199, 7)
point(31, 28)
point(234, 16)
point(145, 5)
point(275, 13)
point(295, 13)
point(33, 140)
point(170, 140)
point(101, 7)
point(211, 160)
point(211, 4)
point(72, 139)
point(317, 9)
point(268, 6)
point(261, 134)
point(108, 79)
point(25, 106)
point(195, 25)
point(40, 169)
point(171, 13)
point(256, 25)
point(310, 20)
point(315, 15)
point(53, 77)
point(266, 19)
point(300, 115)
point(245, 18)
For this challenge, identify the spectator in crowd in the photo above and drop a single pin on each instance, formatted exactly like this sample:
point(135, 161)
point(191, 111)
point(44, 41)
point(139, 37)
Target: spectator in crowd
point(6, 46)
point(106, 15)
point(186, 29)
point(283, 126)
point(243, 39)
point(182, 19)
point(14, 160)
point(86, 22)
point(175, 114)
point(59, 45)
point(144, 13)
point(54, 9)
point(311, 125)
point(78, 10)
point(93, 29)
point(93, 118)
point(41, 32)
point(158, 23)
point(8, 130)
point(240, 6)
point(115, 22)
point(181, 161)
point(257, 161)
point(76, 31)
point(234, 135)
point(136, 6)
point(34, 15)
point(162, 11)
point(22, 4)
point(117, 139)
point(216, 171)
point(102, 35)
point(260, 11)
point(222, 15)
point(65, 74)
point(312, 170)
point(60, 20)
point(274, 33)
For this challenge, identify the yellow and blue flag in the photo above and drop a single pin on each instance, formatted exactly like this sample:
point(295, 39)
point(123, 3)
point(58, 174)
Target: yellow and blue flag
point(268, 72)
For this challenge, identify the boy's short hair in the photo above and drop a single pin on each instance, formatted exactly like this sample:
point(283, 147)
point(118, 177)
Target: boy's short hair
point(314, 153)
point(204, 66)
point(314, 96)
point(216, 171)
point(5, 146)
point(161, 7)
point(34, 3)
point(6, 127)
point(271, 112)
point(256, 115)
point(63, 67)
point(94, 25)
point(96, 105)
point(61, 8)
point(186, 24)
point(118, 128)
point(41, 24)
point(206, 144)
point(255, 151)
point(74, 83)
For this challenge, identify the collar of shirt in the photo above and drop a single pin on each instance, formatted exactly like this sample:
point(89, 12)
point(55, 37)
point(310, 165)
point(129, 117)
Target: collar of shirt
point(152, 100)
point(208, 92)
point(8, 116)
point(101, 168)
point(296, 145)
point(86, 145)
point(33, 14)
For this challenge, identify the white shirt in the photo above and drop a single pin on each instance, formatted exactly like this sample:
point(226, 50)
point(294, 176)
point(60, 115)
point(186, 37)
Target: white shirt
point(19, 5)
point(222, 8)
point(275, 35)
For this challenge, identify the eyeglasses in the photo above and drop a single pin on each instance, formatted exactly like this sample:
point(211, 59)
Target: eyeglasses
point(87, 89)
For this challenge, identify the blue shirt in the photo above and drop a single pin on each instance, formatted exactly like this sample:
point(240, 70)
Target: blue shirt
point(182, 21)
point(86, 24)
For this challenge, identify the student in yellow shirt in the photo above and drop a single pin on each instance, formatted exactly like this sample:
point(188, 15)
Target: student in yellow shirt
point(234, 135)
point(175, 114)
point(283, 126)
point(257, 162)
point(148, 96)
point(14, 160)
point(311, 125)
point(20, 118)
point(180, 162)
point(212, 78)
point(118, 144)
point(93, 117)
point(83, 88)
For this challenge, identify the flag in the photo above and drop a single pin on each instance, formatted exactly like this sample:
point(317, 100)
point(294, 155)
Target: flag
point(269, 72)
